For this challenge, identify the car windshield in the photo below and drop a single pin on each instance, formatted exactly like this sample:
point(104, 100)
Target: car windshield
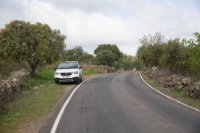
point(68, 65)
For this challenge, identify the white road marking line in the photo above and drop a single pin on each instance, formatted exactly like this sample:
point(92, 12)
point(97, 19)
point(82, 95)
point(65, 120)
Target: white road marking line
point(56, 122)
point(168, 96)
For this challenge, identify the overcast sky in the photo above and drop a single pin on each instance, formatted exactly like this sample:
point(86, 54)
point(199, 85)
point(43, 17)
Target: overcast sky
point(88, 23)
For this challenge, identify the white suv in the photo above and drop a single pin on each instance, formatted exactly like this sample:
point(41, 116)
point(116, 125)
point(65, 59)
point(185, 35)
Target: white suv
point(69, 71)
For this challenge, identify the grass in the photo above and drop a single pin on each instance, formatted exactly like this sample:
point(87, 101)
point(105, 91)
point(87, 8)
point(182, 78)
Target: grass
point(179, 95)
point(90, 72)
point(35, 102)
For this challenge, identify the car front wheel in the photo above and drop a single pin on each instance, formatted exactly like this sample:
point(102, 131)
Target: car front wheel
point(57, 81)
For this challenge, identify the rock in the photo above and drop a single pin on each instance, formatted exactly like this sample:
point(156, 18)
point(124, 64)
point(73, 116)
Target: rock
point(186, 81)
point(180, 87)
point(196, 86)
point(134, 69)
point(17, 77)
point(154, 72)
point(9, 87)
point(173, 76)
point(36, 88)
point(154, 69)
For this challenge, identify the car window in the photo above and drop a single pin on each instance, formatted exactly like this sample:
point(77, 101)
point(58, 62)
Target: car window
point(68, 65)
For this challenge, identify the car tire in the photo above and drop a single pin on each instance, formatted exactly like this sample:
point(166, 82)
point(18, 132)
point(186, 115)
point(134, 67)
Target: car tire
point(57, 81)
point(79, 80)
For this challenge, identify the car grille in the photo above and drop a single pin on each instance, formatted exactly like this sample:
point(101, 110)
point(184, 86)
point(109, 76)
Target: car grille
point(66, 74)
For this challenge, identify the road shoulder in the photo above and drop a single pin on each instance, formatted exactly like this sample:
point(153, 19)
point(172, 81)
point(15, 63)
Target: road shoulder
point(172, 95)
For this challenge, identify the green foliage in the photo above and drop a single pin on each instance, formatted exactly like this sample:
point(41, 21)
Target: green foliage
point(78, 54)
point(33, 43)
point(193, 60)
point(107, 54)
point(89, 72)
point(127, 62)
point(173, 54)
point(105, 57)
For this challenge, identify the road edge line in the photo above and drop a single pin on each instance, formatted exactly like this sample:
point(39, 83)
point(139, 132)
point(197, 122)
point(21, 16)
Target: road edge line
point(56, 122)
point(168, 96)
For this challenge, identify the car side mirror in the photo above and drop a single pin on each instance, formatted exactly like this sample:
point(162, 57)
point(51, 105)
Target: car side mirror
point(80, 67)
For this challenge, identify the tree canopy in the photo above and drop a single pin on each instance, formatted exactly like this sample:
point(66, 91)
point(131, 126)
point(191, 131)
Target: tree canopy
point(107, 54)
point(179, 56)
point(78, 54)
point(33, 43)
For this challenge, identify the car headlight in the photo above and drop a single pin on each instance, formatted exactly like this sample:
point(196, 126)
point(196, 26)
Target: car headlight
point(76, 72)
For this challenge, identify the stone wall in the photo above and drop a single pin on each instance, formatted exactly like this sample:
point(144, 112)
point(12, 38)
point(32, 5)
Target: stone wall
point(174, 81)
point(101, 69)
point(9, 87)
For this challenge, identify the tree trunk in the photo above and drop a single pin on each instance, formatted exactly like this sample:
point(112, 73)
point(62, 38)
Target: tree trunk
point(33, 66)
point(33, 71)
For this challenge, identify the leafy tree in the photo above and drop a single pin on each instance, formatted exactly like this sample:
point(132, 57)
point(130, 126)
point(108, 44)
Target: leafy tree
point(127, 62)
point(33, 43)
point(105, 57)
point(112, 54)
point(87, 58)
point(156, 39)
point(174, 55)
point(78, 54)
point(193, 53)
point(74, 54)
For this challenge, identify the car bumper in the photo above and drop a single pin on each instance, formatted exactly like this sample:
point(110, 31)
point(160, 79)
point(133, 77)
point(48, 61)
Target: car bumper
point(68, 80)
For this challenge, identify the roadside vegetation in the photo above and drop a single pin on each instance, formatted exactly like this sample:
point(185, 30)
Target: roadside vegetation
point(180, 56)
point(33, 104)
point(105, 54)
point(172, 66)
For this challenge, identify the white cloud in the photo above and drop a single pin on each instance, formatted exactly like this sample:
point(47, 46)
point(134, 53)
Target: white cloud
point(91, 23)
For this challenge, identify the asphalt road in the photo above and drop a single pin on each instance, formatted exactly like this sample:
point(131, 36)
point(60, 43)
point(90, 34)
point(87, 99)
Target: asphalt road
point(122, 103)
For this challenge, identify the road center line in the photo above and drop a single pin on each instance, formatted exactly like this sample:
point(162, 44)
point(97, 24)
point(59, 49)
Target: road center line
point(56, 122)
point(168, 96)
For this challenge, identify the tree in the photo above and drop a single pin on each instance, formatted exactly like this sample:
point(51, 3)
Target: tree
point(74, 54)
point(193, 53)
point(112, 54)
point(151, 49)
point(78, 54)
point(156, 39)
point(174, 55)
point(33, 43)
point(105, 57)
point(127, 62)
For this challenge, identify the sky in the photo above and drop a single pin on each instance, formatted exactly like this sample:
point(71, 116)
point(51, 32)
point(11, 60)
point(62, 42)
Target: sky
point(88, 23)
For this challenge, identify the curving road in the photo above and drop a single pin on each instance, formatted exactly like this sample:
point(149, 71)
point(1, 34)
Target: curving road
point(122, 103)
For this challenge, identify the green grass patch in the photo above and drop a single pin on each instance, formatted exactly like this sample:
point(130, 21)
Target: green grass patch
point(179, 95)
point(89, 72)
point(36, 101)
point(46, 74)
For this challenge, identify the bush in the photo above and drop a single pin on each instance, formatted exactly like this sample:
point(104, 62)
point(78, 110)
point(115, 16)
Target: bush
point(173, 54)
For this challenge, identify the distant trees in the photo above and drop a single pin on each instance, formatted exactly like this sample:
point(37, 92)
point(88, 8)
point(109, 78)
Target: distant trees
point(107, 54)
point(127, 62)
point(32, 43)
point(180, 56)
point(105, 57)
point(78, 54)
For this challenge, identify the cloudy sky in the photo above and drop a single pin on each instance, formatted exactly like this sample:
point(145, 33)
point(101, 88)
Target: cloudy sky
point(88, 23)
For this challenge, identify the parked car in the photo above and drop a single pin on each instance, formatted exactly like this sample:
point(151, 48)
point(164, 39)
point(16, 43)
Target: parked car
point(69, 71)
